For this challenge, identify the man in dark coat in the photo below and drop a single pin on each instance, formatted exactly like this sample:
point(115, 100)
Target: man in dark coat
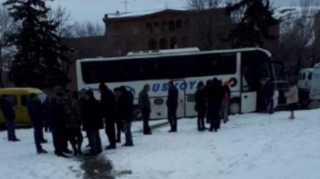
point(172, 104)
point(116, 92)
point(126, 111)
point(207, 89)
point(200, 106)
point(35, 112)
point(54, 114)
point(268, 91)
point(215, 100)
point(108, 105)
point(92, 120)
point(145, 107)
point(9, 116)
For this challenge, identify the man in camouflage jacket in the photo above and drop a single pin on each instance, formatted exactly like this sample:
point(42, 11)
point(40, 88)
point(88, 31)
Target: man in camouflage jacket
point(72, 115)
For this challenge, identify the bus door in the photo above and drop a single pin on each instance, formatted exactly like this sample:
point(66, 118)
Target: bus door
point(181, 86)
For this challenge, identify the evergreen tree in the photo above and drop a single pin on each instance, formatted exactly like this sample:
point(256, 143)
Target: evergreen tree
point(253, 29)
point(41, 53)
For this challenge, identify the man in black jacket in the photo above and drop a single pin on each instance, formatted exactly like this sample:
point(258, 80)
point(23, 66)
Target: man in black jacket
point(172, 104)
point(108, 105)
point(9, 116)
point(200, 106)
point(126, 111)
point(145, 106)
point(35, 112)
point(215, 100)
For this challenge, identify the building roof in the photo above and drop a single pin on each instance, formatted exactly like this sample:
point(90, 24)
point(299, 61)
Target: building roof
point(141, 13)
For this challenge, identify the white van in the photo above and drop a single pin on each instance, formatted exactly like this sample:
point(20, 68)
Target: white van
point(315, 83)
point(305, 77)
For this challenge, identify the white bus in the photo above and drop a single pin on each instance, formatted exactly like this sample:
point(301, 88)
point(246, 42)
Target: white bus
point(315, 83)
point(245, 68)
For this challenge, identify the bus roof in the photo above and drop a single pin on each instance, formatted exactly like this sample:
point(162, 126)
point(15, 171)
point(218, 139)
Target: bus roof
point(182, 52)
point(19, 90)
point(317, 65)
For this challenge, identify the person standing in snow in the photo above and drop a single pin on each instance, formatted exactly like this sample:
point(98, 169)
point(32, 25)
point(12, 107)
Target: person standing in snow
point(108, 104)
point(292, 99)
point(73, 121)
point(92, 120)
point(207, 89)
point(225, 102)
point(35, 112)
point(269, 92)
point(201, 106)
point(215, 100)
point(172, 104)
point(145, 106)
point(116, 92)
point(54, 114)
point(9, 116)
point(126, 111)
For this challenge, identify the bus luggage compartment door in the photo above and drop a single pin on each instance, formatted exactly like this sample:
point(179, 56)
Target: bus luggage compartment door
point(248, 102)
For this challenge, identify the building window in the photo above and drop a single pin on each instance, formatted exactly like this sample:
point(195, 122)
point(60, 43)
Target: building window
point(172, 26)
point(184, 41)
point(135, 30)
point(179, 25)
point(186, 24)
point(156, 27)
point(163, 43)
point(174, 43)
point(149, 28)
point(153, 44)
point(163, 26)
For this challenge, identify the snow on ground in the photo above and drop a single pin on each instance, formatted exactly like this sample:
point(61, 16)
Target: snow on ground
point(249, 146)
point(20, 161)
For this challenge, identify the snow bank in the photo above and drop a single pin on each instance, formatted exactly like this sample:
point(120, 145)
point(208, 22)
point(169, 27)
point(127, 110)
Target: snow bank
point(250, 146)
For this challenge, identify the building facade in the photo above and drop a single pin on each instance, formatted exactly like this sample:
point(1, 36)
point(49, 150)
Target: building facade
point(169, 29)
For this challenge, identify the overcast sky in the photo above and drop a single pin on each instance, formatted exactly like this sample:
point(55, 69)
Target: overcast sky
point(94, 10)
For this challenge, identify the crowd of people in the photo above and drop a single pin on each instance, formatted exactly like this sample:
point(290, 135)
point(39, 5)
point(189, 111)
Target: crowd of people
point(67, 114)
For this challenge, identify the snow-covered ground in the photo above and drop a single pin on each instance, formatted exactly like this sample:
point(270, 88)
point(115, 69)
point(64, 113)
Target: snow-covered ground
point(249, 146)
point(20, 161)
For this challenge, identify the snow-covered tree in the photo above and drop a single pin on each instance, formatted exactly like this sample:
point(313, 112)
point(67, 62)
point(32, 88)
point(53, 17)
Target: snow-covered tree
point(40, 50)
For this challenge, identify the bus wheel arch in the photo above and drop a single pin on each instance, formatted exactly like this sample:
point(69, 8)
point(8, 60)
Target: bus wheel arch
point(235, 106)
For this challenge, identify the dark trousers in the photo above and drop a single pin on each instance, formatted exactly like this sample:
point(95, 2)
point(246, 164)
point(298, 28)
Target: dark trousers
point(95, 141)
point(119, 128)
point(208, 114)
point(111, 132)
point(46, 126)
point(57, 137)
point(201, 116)
point(269, 105)
point(128, 133)
point(38, 134)
point(75, 137)
point(215, 119)
point(146, 118)
point(172, 117)
point(11, 127)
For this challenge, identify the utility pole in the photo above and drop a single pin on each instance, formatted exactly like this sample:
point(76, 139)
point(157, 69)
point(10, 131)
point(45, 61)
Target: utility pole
point(125, 2)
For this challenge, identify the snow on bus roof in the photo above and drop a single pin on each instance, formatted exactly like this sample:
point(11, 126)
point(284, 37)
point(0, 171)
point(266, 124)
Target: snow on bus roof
point(174, 54)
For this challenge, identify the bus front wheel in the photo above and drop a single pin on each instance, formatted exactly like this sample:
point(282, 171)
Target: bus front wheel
point(234, 108)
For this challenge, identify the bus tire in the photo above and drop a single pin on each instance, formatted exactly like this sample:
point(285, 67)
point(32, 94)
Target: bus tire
point(234, 107)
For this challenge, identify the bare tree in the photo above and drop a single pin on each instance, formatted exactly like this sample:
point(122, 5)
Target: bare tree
point(206, 21)
point(87, 29)
point(63, 16)
point(7, 51)
point(298, 36)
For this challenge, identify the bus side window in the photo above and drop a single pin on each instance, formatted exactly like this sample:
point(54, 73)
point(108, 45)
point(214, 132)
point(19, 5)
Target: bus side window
point(310, 76)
